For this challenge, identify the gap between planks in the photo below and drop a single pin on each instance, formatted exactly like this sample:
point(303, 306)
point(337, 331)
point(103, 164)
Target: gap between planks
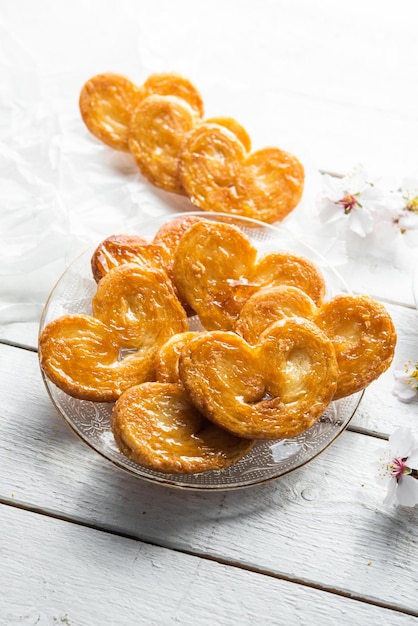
point(213, 558)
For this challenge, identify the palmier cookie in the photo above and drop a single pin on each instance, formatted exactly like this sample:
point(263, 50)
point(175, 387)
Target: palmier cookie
point(172, 84)
point(106, 103)
point(215, 271)
point(168, 237)
point(96, 357)
point(156, 133)
point(157, 426)
point(278, 388)
point(270, 305)
point(167, 358)
point(218, 174)
point(118, 249)
point(364, 338)
point(211, 260)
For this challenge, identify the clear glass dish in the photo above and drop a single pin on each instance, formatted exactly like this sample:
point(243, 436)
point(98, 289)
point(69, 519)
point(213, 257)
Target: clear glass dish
point(268, 460)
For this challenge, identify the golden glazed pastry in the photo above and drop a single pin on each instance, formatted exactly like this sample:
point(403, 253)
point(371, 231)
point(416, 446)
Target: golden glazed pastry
point(106, 103)
point(364, 338)
point(172, 84)
point(157, 426)
point(211, 261)
point(96, 357)
point(218, 174)
point(216, 271)
point(156, 133)
point(235, 127)
point(278, 388)
point(168, 237)
point(167, 359)
point(118, 249)
point(270, 305)
point(286, 268)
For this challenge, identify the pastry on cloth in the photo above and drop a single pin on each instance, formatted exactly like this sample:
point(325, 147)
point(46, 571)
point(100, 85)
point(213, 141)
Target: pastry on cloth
point(276, 389)
point(364, 338)
point(235, 127)
point(96, 357)
point(270, 304)
point(156, 132)
point(216, 271)
point(156, 426)
point(219, 174)
point(107, 102)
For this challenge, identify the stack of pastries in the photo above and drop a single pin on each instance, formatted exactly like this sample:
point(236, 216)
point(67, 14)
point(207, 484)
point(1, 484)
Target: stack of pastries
point(204, 346)
point(209, 160)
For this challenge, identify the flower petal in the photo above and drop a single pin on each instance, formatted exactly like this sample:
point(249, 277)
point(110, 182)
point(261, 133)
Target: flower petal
point(391, 492)
point(413, 459)
point(407, 492)
point(401, 442)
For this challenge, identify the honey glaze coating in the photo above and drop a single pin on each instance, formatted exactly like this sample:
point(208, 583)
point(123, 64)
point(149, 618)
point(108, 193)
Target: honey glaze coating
point(278, 388)
point(269, 305)
point(96, 357)
point(286, 268)
point(118, 249)
point(157, 426)
point(211, 265)
point(156, 132)
point(172, 84)
point(140, 305)
point(219, 174)
point(107, 102)
point(364, 338)
point(167, 359)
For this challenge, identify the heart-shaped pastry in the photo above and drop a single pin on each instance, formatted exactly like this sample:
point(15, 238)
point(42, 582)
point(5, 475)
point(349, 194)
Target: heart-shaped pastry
point(168, 356)
point(118, 249)
point(211, 260)
point(216, 270)
point(108, 101)
point(156, 132)
point(218, 174)
point(157, 426)
point(364, 338)
point(270, 305)
point(278, 388)
point(96, 357)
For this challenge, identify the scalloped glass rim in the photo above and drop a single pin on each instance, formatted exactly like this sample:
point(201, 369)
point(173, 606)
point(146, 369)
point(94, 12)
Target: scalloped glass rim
point(268, 460)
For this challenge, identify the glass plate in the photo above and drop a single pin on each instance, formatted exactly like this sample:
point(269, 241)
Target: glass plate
point(268, 459)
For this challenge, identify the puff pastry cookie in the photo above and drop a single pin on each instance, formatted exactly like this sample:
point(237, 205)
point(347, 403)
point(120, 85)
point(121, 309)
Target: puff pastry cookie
point(270, 305)
point(96, 357)
point(364, 338)
point(219, 174)
point(157, 426)
point(118, 249)
point(212, 260)
point(156, 132)
point(107, 102)
point(216, 270)
point(278, 388)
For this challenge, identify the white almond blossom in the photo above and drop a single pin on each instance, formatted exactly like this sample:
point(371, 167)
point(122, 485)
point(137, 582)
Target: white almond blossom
point(406, 381)
point(397, 468)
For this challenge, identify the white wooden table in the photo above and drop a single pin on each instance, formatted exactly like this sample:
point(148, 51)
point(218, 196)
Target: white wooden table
point(83, 543)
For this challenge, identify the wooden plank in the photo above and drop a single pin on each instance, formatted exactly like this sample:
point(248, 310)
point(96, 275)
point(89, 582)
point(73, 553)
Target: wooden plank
point(324, 524)
point(76, 575)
